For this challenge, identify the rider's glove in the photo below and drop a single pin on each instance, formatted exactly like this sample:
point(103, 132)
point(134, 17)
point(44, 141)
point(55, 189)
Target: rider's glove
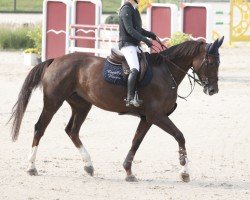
point(152, 35)
point(148, 43)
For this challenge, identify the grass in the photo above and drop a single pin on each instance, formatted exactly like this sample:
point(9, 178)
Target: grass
point(21, 5)
point(109, 6)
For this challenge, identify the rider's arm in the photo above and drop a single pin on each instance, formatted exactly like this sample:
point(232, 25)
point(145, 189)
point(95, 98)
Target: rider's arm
point(126, 15)
point(148, 34)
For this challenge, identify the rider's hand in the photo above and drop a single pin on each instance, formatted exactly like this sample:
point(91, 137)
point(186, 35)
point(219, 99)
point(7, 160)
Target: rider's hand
point(148, 43)
point(152, 36)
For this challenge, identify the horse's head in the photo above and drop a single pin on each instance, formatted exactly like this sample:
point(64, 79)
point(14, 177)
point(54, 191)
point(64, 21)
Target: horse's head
point(206, 66)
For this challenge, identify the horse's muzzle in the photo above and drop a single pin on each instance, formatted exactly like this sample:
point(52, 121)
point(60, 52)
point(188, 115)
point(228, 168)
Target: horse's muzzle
point(210, 90)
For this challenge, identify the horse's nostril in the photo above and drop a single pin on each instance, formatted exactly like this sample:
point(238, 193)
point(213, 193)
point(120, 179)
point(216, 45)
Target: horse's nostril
point(211, 91)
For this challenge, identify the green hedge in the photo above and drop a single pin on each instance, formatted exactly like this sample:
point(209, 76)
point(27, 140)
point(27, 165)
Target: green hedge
point(15, 38)
point(177, 38)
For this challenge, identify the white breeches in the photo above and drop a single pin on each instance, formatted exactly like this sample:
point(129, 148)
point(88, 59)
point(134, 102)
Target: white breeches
point(130, 53)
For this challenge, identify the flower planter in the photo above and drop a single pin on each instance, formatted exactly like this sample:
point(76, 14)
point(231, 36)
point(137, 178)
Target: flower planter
point(31, 59)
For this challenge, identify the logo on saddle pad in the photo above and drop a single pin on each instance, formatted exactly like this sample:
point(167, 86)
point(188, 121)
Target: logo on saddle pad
point(116, 70)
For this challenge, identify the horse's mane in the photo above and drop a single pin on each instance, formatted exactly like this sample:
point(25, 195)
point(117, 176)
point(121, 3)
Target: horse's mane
point(185, 49)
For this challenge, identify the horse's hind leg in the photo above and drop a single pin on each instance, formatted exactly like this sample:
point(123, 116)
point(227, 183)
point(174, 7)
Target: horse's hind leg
point(80, 110)
point(49, 109)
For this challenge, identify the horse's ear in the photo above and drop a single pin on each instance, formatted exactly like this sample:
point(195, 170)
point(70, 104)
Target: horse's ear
point(220, 41)
point(208, 47)
point(213, 47)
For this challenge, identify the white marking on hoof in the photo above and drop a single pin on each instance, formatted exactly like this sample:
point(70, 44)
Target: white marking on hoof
point(32, 159)
point(184, 172)
point(85, 157)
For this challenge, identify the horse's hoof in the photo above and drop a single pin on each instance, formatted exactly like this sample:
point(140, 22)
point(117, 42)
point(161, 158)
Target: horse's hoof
point(32, 172)
point(131, 178)
point(89, 170)
point(185, 177)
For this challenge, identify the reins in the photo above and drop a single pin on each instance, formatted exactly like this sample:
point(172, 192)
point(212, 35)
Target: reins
point(163, 47)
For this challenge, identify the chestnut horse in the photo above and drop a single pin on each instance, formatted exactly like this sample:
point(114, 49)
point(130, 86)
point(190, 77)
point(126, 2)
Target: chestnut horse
point(78, 79)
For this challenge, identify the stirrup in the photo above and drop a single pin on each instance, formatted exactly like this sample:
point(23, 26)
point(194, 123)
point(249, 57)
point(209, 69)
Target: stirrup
point(135, 101)
point(127, 101)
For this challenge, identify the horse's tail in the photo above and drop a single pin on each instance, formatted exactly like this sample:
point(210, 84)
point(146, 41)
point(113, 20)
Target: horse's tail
point(31, 82)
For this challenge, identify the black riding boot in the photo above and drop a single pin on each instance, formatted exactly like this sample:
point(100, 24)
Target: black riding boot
point(132, 99)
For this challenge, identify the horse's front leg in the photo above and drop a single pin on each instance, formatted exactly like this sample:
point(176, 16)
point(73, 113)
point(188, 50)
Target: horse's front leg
point(167, 125)
point(141, 131)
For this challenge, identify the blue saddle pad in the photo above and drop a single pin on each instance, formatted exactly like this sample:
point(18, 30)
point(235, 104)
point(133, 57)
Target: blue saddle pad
point(114, 74)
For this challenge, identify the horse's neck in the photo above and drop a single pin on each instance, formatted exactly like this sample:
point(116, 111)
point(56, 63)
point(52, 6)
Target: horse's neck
point(179, 69)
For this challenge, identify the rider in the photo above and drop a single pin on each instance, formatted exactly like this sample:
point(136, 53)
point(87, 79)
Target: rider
point(131, 34)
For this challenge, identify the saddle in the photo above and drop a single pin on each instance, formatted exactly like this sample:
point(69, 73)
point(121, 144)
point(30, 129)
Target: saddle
point(117, 58)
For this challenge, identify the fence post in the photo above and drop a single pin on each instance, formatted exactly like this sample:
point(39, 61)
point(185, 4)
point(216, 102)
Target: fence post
point(14, 5)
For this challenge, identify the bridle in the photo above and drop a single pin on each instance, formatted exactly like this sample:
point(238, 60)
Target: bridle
point(202, 81)
point(205, 64)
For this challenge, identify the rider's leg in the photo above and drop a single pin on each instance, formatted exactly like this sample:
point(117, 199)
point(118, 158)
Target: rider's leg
point(130, 53)
point(131, 88)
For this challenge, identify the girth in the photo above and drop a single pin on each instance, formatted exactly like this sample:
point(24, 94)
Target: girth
point(118, 59)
